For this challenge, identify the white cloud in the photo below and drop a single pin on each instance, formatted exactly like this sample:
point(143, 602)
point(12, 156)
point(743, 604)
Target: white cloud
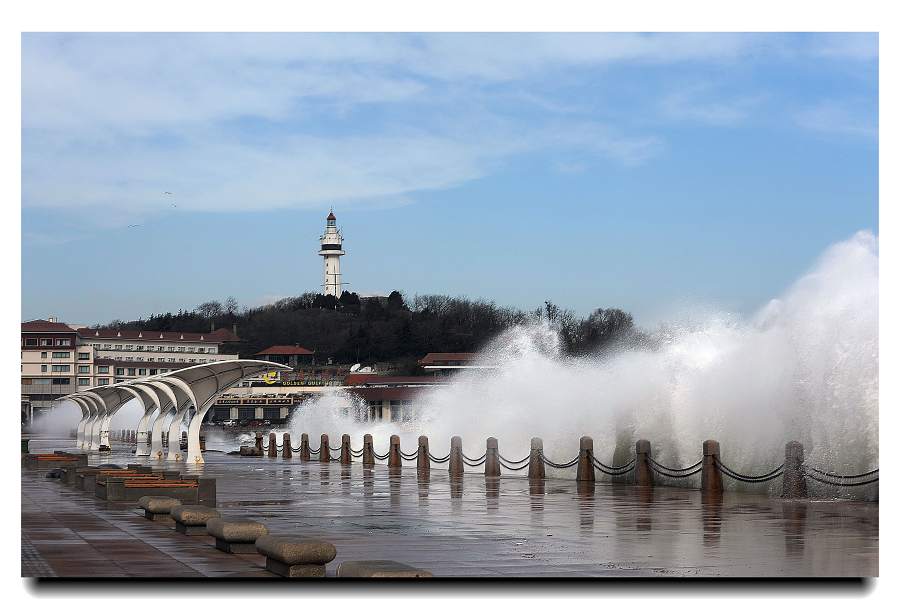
point(703, 104)
point(838, 117)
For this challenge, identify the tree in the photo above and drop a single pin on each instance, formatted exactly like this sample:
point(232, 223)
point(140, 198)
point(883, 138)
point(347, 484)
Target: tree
point(395, 301)
point(210, 309)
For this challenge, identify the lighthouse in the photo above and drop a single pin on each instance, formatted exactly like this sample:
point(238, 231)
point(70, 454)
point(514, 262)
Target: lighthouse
point(331, 251)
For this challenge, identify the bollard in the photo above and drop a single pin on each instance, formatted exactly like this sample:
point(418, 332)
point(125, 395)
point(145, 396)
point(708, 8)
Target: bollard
point(423, 462)
point(793, 481)
point(345, 449)
point(535, 463)
point(324, 449)
point(643, 477)
point(259, 442)
point(491, 459)
point(710, 476)
point(368, 451)
point(394, 460)
point(585, 471)
point(286, 452)
point(456, 459)
point(304, 447)
point(273, 445)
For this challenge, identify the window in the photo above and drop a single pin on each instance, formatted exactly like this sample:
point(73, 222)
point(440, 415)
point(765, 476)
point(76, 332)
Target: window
point(181, 349)
point(103, 381)
point(31, 342)
point(171, 359)
point(84, 369)
point(83, 382)
point(201, 349)
point(212, 350)
point(152, 371)
point(43, 355)
point(43, 367)
point(171, 348)
point(140, 347)
point(128, 347)
point(118, 347)
point(128, 358)
point(60, 355)
point(142, 372)
point(103, 369)
point(84, 355)
point(159, 347)
point(95, 345)
point(131, 372)
point(63, 381)
point(192, 360)
point(60, 368)
point(63, 342)
point(41, 382)
point(120, 371)
point(46, 342)
point(107, 346)
point(151, 359)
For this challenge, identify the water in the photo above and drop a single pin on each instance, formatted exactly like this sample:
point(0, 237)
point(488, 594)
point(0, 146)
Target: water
point(804, 367)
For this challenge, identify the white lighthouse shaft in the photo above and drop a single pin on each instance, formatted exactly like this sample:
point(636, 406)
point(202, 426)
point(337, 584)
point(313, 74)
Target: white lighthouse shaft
point(331, 250)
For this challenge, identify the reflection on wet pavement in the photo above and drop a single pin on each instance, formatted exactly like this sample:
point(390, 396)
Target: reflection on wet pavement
point(510, 526)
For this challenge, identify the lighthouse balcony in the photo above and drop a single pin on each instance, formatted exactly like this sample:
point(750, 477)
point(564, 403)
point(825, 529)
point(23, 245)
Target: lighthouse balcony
point(329, 251)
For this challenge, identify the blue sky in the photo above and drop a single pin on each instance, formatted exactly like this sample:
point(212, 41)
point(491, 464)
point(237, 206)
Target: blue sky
point(655, 173)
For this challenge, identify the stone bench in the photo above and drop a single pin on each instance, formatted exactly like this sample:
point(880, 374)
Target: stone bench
point(49, 461)
point(250, 451)
point(70, 475)
point(158, 508)
point(378, 568)
point(201, 491)
point(292, 556)
point(192, 519)
point(236, 536)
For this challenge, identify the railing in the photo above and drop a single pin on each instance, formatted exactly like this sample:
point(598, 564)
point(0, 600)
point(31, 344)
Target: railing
point(645, 470)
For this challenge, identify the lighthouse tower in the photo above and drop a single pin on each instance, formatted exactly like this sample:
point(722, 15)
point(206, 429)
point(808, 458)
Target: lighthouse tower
point(332, 250)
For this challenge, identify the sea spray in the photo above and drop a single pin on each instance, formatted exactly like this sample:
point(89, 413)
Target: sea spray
point(804, 367)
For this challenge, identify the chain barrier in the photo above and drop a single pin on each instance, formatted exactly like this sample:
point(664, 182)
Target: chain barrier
point(611, 470)
point(514, 469)
point(409, 456)
point(675, 470)
point(315, 452)
point(668, 474)
point(381, 457)
point(356, 453)
point(476, 463)
point(436, 460)
point(507, 461)
point(745, 478)
point(296, 450)
point(810, 472)
point(558, 465)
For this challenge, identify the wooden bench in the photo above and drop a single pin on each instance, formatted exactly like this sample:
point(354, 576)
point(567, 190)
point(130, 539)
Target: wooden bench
point(104, 483)
point(86, 479)
point(47, 460)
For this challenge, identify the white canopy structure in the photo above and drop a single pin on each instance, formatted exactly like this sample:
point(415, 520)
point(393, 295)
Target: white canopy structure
point(173, 395)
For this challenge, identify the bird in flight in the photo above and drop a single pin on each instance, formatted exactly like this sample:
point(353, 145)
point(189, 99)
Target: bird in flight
point(167, 193)
point(134, 225)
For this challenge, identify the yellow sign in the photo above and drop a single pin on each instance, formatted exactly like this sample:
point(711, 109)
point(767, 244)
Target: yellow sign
point(270, 378)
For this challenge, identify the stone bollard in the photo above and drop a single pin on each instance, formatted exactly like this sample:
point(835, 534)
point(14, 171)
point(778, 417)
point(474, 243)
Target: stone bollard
point(259, 441)
point(286, 452)
point(491, 459)
point(535, 463)
point(368, 456)
point(345, 449)
point(394, 460)
point(273, 445)
point(710, 476)
point(324, 449)
point(304, 447)
point(793, 481)
point(456, 459)
point(585, 472)
point(643, 476)
point(423, 462)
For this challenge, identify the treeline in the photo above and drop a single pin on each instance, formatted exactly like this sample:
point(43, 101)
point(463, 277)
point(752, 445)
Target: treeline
point(352, 329)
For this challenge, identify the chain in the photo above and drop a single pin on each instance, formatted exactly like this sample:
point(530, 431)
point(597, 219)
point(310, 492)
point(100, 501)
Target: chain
point(609, 470)
point(559, 465)
point(744, 478)
point(514, 469)
point(807, 470)
point(436, 460)
point(676, 470)
point(507, 461)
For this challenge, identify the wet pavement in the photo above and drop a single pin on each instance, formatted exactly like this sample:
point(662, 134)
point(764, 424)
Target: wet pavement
point(472, 528)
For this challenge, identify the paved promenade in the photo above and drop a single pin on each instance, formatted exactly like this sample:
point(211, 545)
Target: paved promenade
point(473, 529)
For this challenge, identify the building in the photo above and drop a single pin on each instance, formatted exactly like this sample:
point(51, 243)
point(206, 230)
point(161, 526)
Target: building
point(389, 398)
point(58, 359)
point(445, 364)
point(294, 356)
point(331, 250)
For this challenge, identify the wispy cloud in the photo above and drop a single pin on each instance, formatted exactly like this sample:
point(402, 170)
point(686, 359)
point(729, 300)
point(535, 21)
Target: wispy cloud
point(245, 122)
point(838, 117)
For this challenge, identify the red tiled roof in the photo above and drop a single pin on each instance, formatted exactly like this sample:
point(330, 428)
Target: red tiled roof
point(433, 358)
point(217, 336)
point(42, 325)
point(285, 350)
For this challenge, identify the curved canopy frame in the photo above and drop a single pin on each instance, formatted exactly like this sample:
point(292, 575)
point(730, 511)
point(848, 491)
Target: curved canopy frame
point(173, 393)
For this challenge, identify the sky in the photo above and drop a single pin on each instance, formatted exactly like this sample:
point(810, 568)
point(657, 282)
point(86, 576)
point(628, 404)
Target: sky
point(657, 173)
